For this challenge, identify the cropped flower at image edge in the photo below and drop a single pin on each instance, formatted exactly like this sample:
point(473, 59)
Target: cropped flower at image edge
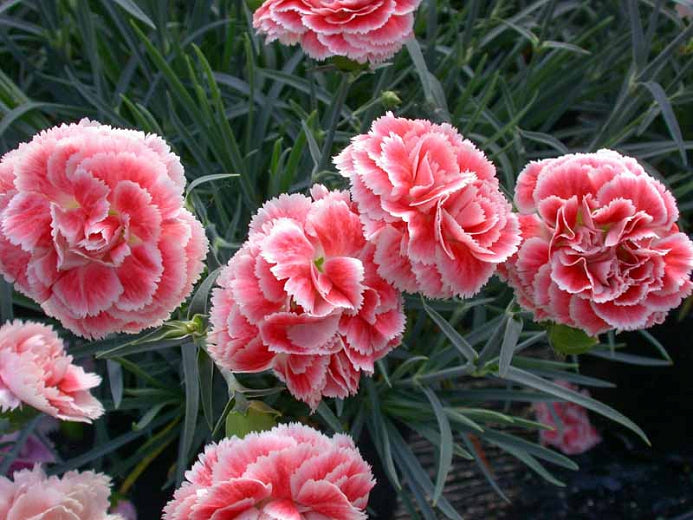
point(93, 228)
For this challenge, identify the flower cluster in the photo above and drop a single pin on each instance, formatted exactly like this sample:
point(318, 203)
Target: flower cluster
point(601, 248)
point(36, 371)
point(74, 496)
point(571, 432)
point(302, 296)
point(361, 30)
point(92, 227)
point(290, 472)
point(430, 202)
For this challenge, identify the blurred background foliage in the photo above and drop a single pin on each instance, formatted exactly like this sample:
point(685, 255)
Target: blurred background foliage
point(523, 79)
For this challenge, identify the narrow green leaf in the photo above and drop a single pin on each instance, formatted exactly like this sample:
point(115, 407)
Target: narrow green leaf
point(433, 90)
point(455, 337)
point(6, 312)
point(329, 417)
point(200, 300)
point(637, 35)
point(534, 465)
point(416, 474)
point(513, 329)
point(149, 416)
point(104, 449)
point(532, 381)
point(134, 10)
point(672, 123)
point(504, 439)
point(208, 178)
point(485, 470)
point(446, 444)
point(630, 359)
point(205, 368)
point(115, 381)
point(192, 403)
point(550, 44)
point(312, 144)
point(378, 432)
point(461, 418)
point(656, 344)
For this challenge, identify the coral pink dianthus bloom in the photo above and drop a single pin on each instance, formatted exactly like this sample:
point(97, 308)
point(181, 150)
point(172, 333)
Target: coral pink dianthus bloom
point(601, 247)
point(291, 472)
point(74, 496)
point(36, 371)
point(302, 297)
point(92, 227)
point(361, 30)
point(574, 434)
point(431, 204)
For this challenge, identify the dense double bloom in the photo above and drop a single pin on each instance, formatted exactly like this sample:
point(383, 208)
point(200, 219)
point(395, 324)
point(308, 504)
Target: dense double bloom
point(74, 496)
point(431, 204)
point(36, 371)
point(291, 472)
point(361, 30)
point(302, 296)
point(601, 247)
point(573, 433)
point(92, 227)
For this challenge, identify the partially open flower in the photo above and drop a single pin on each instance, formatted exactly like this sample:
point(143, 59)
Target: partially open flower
point(302, 296)
point(361, 30)
point(92, 227)
point(74, 496)
point(291, 472)
point(36, 371)
point(601, 248)
point(431, 204)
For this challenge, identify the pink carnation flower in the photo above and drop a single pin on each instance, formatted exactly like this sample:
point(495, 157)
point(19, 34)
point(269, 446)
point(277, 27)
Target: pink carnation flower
point(36, 371)
point(430, 203)
point(76, 496)
point(573, 434)
point(361, 30)
point(302, 296)
point(92, 227)
point(601, 246)
point(33, 452)
point(291, 472)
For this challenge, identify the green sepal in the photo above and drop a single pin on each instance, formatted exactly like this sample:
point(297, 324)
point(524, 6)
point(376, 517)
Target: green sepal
point(256, 417)
point(570, 341)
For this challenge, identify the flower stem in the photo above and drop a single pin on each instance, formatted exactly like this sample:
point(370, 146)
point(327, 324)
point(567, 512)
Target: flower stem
point(336, 110)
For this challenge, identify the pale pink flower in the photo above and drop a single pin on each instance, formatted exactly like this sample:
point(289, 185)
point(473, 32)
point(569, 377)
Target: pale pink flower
point(361, 30)
point(601, 248)
point(31, 495)
point(431, 204)
point(33, 452)
point(302, 297)
point(572, 431)
point(36, 371)
point(93, 228)
point(291, 472)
